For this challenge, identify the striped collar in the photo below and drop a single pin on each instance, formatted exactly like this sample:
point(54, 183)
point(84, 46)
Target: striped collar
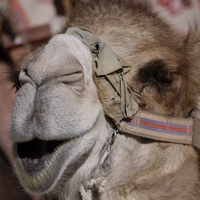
point(162, 128)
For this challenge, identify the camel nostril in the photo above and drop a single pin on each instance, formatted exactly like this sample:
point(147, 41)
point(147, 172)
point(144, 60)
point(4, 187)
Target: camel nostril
point(26, 72)
point(24, 77)
point(74, 80)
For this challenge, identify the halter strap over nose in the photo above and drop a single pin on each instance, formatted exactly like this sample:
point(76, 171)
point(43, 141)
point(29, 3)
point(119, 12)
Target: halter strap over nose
point(109, 69)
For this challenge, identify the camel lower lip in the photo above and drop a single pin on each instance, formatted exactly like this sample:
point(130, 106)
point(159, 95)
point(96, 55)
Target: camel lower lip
point(33, 166)
point(35, 154)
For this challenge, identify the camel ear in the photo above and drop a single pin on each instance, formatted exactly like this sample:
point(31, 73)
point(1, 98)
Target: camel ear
point(192, 44)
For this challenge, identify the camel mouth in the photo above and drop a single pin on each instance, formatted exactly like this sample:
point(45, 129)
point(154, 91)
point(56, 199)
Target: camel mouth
point(35, 154)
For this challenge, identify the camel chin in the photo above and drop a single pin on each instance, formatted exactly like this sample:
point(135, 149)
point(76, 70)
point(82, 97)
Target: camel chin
point(46, 144)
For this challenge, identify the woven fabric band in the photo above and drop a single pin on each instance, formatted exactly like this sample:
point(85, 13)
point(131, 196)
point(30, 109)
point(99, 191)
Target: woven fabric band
point(162, 128)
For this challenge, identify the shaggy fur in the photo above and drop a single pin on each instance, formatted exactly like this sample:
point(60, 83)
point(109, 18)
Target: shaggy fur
point(165, 72)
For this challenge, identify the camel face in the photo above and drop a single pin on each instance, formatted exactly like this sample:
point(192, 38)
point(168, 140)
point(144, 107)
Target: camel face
point(63, 143)
point(40, 138)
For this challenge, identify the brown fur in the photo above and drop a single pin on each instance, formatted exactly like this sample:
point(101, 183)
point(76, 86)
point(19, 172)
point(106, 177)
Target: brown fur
point(166, 73)
point(141, 37)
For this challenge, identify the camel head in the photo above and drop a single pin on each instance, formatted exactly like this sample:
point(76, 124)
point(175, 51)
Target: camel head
point(63, 116)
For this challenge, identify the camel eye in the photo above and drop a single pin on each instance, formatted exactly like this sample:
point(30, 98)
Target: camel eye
point(155, 74)
point(163, 77)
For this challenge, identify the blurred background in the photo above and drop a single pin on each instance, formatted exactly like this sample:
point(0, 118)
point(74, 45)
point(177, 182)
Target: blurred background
point(25, 24)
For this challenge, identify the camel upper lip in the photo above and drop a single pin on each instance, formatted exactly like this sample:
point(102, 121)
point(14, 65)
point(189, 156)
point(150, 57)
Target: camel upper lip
point(36, 153)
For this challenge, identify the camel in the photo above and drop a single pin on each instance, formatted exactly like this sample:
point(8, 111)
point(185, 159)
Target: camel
point(77, 127)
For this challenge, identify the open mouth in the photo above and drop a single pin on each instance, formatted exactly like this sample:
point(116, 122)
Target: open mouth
point(36, 153)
